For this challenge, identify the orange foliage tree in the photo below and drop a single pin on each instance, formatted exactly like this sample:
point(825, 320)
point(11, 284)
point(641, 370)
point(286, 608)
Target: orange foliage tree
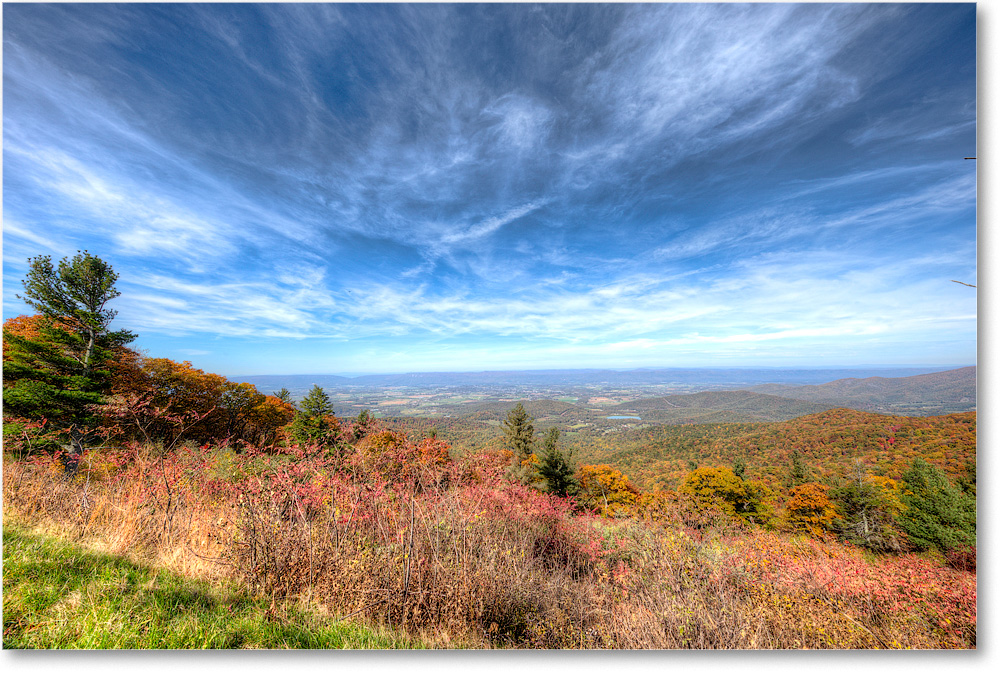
point(267, 417)
point(390, 455)
point(809, 509)
point(26, 326)
point(159, 398)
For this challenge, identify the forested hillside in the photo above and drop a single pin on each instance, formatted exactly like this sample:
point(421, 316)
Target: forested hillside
point(717, 407)
point(923, 395)
point(829, 443)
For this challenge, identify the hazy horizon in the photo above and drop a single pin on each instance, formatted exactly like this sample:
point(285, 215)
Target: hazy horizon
point(876, 367)
point(426, 188)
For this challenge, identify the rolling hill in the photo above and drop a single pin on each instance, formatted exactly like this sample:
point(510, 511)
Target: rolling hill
point(717, 407)
point(922, 395)
point(729, 406)
point(829, 444)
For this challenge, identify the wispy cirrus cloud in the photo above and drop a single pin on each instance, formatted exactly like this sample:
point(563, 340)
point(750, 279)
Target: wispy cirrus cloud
point(582, 176)
point(490, 225)
point(775, 297)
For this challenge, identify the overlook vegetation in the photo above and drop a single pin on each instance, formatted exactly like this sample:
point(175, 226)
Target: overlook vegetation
point(836, 529)
point(107, 602)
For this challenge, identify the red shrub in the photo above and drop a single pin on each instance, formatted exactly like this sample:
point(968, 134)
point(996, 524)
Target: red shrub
point(962, 558)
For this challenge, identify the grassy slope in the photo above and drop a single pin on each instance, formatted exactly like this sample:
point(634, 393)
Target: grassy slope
point(58, 595)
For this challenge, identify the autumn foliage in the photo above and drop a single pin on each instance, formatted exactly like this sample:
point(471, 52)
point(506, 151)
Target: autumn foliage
point(719, 488)
point(809, 509)
point(453, 550)
point(26, 326)
point(808, 544)
point(606, 490)
point(146, 398)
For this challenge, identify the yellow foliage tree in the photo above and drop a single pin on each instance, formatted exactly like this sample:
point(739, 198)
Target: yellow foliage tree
point(606, 490)
point(267, 417)
point(718, 487)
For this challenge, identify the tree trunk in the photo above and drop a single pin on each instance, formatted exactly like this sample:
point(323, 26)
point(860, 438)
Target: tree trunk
point(89, 353)
point(71, 459)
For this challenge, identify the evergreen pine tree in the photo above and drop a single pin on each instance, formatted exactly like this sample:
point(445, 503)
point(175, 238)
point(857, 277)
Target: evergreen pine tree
point(40, 382)
point(740, 468)
point(938, 514)
point(364, 423)
point(869, 511)
point(313, 423)
point(60, 375)
point(555, 466)
point(798, 474)
point(316, 403)
point(519, 438)
point(74, 297)
point(519, 433)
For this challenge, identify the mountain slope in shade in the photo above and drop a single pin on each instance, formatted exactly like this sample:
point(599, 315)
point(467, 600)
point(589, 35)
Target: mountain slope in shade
point(717, 407)
point(729, 406)
point(923, 395)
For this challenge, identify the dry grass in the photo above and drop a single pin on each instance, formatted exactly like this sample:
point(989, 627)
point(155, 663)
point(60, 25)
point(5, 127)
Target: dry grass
point(455, 554)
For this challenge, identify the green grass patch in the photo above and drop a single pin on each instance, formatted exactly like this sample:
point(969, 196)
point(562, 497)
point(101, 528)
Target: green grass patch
point(57, 595)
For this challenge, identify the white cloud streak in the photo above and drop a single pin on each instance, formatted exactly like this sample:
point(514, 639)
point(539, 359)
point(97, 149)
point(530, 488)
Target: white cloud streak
point(488, 226)
point(412, 191)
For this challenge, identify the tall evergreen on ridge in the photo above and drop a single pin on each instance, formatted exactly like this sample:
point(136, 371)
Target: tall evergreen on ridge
point(316, 403)
point(519, 438)
point(60, 374)
point(555, 467)
point(314, 424)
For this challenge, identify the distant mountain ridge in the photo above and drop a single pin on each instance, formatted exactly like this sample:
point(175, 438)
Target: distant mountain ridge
point(736, 377)
point(267, 383)
point(931, 394)
point(728, 406)
point(924, 394)
point(738, 405)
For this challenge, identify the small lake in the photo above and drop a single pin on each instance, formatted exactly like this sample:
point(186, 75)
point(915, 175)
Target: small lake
point(623, 417)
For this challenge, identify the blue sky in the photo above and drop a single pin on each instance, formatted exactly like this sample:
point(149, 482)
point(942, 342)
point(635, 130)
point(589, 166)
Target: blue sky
point(347, 189)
